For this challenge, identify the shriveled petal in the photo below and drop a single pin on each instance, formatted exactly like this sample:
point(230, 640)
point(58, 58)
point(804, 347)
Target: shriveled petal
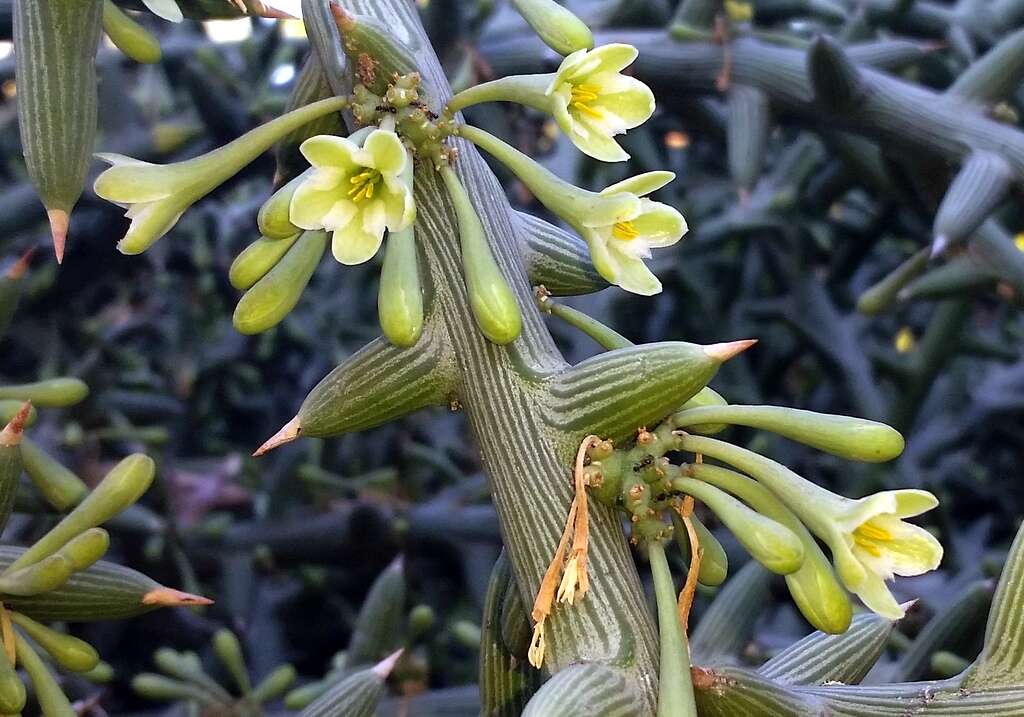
point(326, 150)
point(594, 140)
point(626, 98)
point(150, 222)
point(641, 184)
point(167, 9)
point(874, 593)
point(311, 205)
point(354, 245)
point(659, 224)
point(387, 152)
point(634, 276)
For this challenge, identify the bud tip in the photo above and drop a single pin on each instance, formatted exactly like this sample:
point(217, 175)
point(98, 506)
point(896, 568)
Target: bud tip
point(59, 221)
point(18, 268)
point(724, 352)
point(383, 668)
point(169, 597)
point(288, 433)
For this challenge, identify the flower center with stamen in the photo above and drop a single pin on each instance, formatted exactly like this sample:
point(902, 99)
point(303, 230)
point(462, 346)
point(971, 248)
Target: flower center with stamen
point(582, 95)
point(626, 231)
point(868, 536)
point(364, 185)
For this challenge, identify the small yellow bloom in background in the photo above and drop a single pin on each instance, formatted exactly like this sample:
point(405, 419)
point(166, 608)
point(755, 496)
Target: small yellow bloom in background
point(739, 11)
point(356, 192)
point(1019, 241)
point(594, 101)
point(619, 248)
point(871, 543)
point(905, 341)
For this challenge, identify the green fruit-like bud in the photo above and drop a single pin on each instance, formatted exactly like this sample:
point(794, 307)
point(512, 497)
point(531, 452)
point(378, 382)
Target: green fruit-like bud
point(121, 487)
point(48, 574)
point(274, 218)
point(128, 36)
point(493, 303)
point(85, 549)
point(102, 674)
point(51, 393)
point(229, 652)
point(844, 436)
point(272, 297)
point(59, 486)
point(274, 684)
point(12, 689)
point(768, 541)
point(52, 700)
point(253, 263)
point(706, 397)
point(466, 633)
point(560, 30)
point(714, 563)
point(400, 298)
point(67, 651)
point(158, 687)
point(378, 627)
point(421, 620)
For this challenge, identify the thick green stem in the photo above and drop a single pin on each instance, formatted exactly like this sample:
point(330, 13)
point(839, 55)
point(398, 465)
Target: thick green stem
point(526, 457)
point(675, 694)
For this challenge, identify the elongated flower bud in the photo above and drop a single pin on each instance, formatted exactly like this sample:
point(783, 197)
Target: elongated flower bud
point(12, 689)
point(560, 30)
point(128, 36)
point(257, 259)
point(269, 300)
point(493, 303)
point(274, 218)
point(714, 564)
point(769, 542)
point(855, 438)
point(67, 651)
point(400, 297)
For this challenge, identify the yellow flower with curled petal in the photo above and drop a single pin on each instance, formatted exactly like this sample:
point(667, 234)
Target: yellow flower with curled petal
point(594, 101)
point(619, 248)
point(356, 192)
point(871, 543)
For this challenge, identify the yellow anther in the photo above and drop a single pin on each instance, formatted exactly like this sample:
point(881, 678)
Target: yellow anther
point(363, 185)
point(873, 532)
point(581, 95)
point(626, 231)
point(868, 546)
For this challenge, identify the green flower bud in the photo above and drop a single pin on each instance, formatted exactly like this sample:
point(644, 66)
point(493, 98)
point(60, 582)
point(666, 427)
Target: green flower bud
point(274, 685)
point(52, 700)
point(768, 541)
point(257, 259)
point(229, 651)
point(128, 36)
point(274, 218)
point(12, 689)
point(714, 564)
point(67, 651)
point(491, 299)
point(271, 298)
point(50, 393)
point(560, 30)
point(400, 297)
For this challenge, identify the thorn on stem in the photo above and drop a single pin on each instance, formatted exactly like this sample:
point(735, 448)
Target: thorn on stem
point(59, 222)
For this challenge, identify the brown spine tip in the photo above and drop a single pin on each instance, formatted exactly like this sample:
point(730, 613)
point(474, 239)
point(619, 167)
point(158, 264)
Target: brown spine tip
point(344, 19)
point(724, 352)
point(169, 597)
point(383, 668)
point(59, 222)
point(288, 433)
point(18, 268)
point(274, 13)
point(11, 435)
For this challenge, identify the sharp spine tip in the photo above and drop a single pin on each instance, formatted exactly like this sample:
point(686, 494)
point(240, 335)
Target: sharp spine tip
point(383, 668)
point(724, 352)
point(169, 597)
point(288, 433)
point(59, 222)
point(939, 245)
point(12, 432)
